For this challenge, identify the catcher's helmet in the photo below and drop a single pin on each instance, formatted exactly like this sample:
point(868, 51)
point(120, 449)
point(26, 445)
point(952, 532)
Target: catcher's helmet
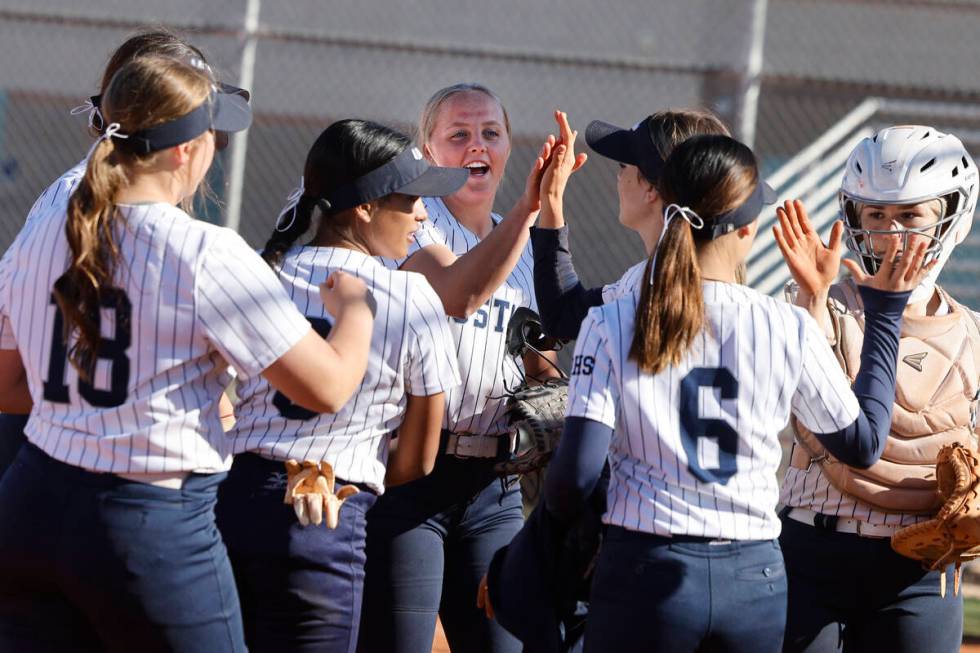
point(908, 165)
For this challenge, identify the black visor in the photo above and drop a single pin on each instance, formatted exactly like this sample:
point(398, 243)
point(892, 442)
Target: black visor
point(408, 173)
point(220, 112)
point(632, 146)
point(740, 216)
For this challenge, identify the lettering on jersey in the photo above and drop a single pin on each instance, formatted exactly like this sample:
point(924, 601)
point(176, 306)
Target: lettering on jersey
point(482, 317)
point(712, 461)
point(287, 408)
point(582, 365)
point(113, 350)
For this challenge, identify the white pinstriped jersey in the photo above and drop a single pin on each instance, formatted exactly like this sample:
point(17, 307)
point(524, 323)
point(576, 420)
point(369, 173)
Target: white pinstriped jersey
point(695, 448)
point(411, 353)
point(811, 490)
point(53, 202)
point(477, 406)
point(625, 285)
point(190, 298)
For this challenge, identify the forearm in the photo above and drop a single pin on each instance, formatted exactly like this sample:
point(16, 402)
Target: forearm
point(467, 282)
point(816, 306)
point(562, 299)
point(861, 444)
point(576, 466)
point(413, 453)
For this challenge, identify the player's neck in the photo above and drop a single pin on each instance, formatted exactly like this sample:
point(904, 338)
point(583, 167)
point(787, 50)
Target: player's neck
point(716, 266)
point(151, 187)
point(475, 217)
point(925, 308)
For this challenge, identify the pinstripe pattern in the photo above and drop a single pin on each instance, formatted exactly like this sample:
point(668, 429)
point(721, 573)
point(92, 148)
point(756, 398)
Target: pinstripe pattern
point(780, 362)
point(477, 405)
point(411, 353)
point(200, 298)
point(811, 490)
point(625, 285)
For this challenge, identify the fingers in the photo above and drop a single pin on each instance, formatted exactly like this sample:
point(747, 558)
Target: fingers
point(786, 226)
point(314, 507)
point(836, 237)
point(855, 270)
point(803, 218)
point(580, 160)
point(483, 597)
point(790, 221)
point(564, 129)
point(887, 268)
point(781, 242)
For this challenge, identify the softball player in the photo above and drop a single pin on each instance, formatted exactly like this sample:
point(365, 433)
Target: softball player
point(562, 299)
point(123, 314)
point(54, 200)
point(301, 588)
point(690, 559)
point(430, 541)
point(848, 589)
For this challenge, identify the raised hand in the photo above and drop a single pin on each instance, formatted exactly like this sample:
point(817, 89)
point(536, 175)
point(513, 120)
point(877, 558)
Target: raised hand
point(564, 161)
point(814, 266)
point(529, 202)
point(899, 270)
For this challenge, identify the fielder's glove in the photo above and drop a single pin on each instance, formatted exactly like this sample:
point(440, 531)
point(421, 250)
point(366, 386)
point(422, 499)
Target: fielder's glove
point(537, 413)
point(953, 537)
point(310, 491)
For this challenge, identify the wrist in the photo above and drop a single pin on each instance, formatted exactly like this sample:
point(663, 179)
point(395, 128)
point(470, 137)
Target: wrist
point(884, 302)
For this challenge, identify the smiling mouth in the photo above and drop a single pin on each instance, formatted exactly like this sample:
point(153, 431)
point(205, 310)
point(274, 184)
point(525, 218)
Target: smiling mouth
point(478, 169)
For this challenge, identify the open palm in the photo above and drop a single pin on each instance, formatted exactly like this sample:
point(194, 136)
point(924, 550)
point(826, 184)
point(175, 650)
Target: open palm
point(814, 266)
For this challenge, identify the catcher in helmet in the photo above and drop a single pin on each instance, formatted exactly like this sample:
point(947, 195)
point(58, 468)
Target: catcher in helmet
point(848, 588)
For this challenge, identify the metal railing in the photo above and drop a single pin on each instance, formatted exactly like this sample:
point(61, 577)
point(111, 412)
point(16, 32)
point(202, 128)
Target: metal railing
point(813, 175)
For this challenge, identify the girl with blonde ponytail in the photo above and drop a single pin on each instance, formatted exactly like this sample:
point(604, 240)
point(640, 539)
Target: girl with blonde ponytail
point(685, 384)
point(52, 202)
point(122, 316)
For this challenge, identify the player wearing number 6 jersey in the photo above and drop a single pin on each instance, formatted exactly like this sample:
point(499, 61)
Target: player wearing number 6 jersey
point(301, 587)
point(107, 539)
point(686, 385)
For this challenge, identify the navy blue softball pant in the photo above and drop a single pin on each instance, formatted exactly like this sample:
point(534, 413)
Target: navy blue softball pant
point(853, 593)
point(95, 562)
point(300, 587)
point(684, 594)
point(429, 544)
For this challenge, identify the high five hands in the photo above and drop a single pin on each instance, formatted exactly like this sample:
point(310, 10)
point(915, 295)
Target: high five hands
point(815, 266)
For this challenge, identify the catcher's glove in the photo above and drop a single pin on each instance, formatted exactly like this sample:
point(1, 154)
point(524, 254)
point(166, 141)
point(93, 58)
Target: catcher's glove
point(310, 491)
point(537, 414)
point(954, 535)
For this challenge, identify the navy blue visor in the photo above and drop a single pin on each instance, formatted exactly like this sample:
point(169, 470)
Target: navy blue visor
point(408, 173)
point(740, 216)
point(631, 146)
point(221, 112)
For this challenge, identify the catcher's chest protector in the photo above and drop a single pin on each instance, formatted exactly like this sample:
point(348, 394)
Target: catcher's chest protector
point(935, 405)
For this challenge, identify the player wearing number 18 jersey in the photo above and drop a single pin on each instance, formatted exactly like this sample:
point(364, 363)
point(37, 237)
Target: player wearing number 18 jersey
point(124, 314)
point(686, 384)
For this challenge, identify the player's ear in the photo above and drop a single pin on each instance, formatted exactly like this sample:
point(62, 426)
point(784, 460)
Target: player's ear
point(180, 154)
point(364, 212)
point(650, 195)
point(427, 154)
point(747, 230)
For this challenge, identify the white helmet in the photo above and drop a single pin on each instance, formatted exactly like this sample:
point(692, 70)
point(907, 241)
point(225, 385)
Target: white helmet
point(908, 165)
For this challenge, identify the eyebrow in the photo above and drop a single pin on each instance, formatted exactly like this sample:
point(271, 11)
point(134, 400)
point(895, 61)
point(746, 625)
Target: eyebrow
point(482, 124)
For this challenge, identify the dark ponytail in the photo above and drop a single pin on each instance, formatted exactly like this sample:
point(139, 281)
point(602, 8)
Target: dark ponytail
point(708, 174)
point(344, 151)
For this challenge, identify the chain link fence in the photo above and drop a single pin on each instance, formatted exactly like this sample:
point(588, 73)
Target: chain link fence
point(310, 62)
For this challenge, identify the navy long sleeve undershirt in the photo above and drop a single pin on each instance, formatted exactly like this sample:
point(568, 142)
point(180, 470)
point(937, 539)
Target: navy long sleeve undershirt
point(575, 468)
point(562, 299)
